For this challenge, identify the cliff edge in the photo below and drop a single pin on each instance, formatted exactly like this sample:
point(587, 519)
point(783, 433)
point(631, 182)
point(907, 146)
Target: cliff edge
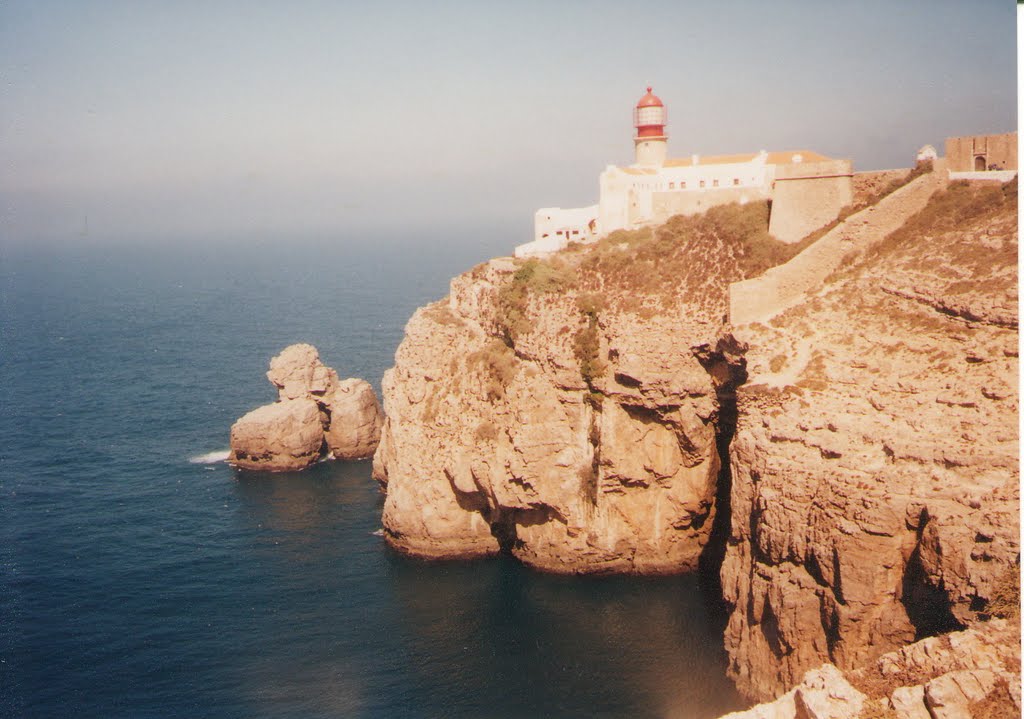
point(566, 410)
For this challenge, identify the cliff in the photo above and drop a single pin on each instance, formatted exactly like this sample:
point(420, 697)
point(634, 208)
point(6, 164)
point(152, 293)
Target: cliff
point(566, 410)
point(854, 457)
point(875, 493)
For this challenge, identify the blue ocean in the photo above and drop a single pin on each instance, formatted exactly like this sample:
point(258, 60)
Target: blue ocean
point(140, 576)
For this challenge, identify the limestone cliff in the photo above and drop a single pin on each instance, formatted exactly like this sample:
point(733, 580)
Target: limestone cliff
point(875, 489)
point(578, 413)
point(566, 410)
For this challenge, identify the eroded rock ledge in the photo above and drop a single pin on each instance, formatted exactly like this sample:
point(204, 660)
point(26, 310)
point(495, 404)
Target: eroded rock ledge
point(973, 673)
point(316, 413)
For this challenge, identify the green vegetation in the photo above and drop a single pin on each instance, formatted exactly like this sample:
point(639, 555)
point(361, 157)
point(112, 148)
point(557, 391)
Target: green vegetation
point(587, 342)
point(533, 276)
point(653, 260)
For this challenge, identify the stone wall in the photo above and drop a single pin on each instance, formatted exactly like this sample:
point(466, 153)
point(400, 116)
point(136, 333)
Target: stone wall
point(686, 202)
point(781, 287)
point(808, 196)
point(998, 152)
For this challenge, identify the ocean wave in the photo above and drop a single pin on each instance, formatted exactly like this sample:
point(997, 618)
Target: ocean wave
point(220, 455)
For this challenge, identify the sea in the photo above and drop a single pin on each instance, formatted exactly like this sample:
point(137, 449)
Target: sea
point(141, 576)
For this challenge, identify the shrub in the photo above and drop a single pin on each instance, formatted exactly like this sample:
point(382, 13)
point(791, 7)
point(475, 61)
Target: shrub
point(587, 348)
point(498, 364)
point(486, 432)
point(587, 342)
point(688, 254)
point(533, 276)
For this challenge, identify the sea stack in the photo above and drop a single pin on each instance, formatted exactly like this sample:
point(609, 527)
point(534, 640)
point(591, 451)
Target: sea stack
point(316, 413)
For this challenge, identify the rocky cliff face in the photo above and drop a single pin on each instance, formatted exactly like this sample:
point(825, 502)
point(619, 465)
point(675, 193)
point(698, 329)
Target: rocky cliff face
point(875, 489)
point(974, 673)
point(576, 412)
point(564, 412)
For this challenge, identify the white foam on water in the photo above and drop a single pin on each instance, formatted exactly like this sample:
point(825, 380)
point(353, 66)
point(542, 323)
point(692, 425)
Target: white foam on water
point(220, 455)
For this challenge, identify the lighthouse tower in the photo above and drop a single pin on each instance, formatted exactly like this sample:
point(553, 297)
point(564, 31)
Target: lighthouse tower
point(649, 119)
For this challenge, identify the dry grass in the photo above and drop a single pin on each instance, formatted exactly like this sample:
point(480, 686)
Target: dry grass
point(498, 365)
point(950, 210)
point(486, 432)
point(1005, 599)
point(533, 276)
point(441, 313)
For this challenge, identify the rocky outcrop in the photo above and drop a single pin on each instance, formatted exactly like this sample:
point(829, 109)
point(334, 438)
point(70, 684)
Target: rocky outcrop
point(974, 673)
point(355, 420)
point(283, 436)
point(563, 412)
point(316, 413)
point(875, 495)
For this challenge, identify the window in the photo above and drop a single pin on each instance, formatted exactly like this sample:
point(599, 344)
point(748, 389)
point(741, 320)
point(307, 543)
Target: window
point(682, 185)
point(715, 183)
point(702, 183)
point(671, 185)
point(575, 232)
point(735, 181)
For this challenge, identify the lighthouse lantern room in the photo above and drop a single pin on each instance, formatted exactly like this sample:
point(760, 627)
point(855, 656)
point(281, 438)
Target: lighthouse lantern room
point(649, 119)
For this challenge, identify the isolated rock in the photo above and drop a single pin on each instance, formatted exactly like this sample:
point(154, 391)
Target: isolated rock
point(316, 412)
point(355, 420)
point(278, 437)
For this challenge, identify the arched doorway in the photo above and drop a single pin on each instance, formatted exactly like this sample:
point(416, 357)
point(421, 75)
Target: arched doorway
point(979, 162)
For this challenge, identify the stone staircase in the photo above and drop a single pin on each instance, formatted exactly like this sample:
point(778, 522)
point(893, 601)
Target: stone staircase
point(761, 298)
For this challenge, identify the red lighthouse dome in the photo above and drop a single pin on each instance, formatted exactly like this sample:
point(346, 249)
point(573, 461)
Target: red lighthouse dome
point(650, 116)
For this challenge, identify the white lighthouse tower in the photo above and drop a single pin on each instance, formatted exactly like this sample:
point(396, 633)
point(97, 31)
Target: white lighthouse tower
point(649, 119)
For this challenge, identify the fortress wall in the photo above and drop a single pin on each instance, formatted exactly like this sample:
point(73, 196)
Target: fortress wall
point(808, 196)
point(867, 184)
point(760, 298)
point(998, 150)
point(689, 202)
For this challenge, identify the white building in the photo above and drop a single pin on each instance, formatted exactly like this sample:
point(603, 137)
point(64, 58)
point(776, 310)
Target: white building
point(807, 190)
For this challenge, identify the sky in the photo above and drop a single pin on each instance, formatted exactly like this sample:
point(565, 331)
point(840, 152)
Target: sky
point(145, 121)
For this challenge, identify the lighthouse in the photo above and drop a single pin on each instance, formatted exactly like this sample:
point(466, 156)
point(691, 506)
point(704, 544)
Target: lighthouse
point(649, 119)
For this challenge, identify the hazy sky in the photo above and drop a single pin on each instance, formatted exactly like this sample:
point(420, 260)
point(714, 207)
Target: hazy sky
point(149, 121)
